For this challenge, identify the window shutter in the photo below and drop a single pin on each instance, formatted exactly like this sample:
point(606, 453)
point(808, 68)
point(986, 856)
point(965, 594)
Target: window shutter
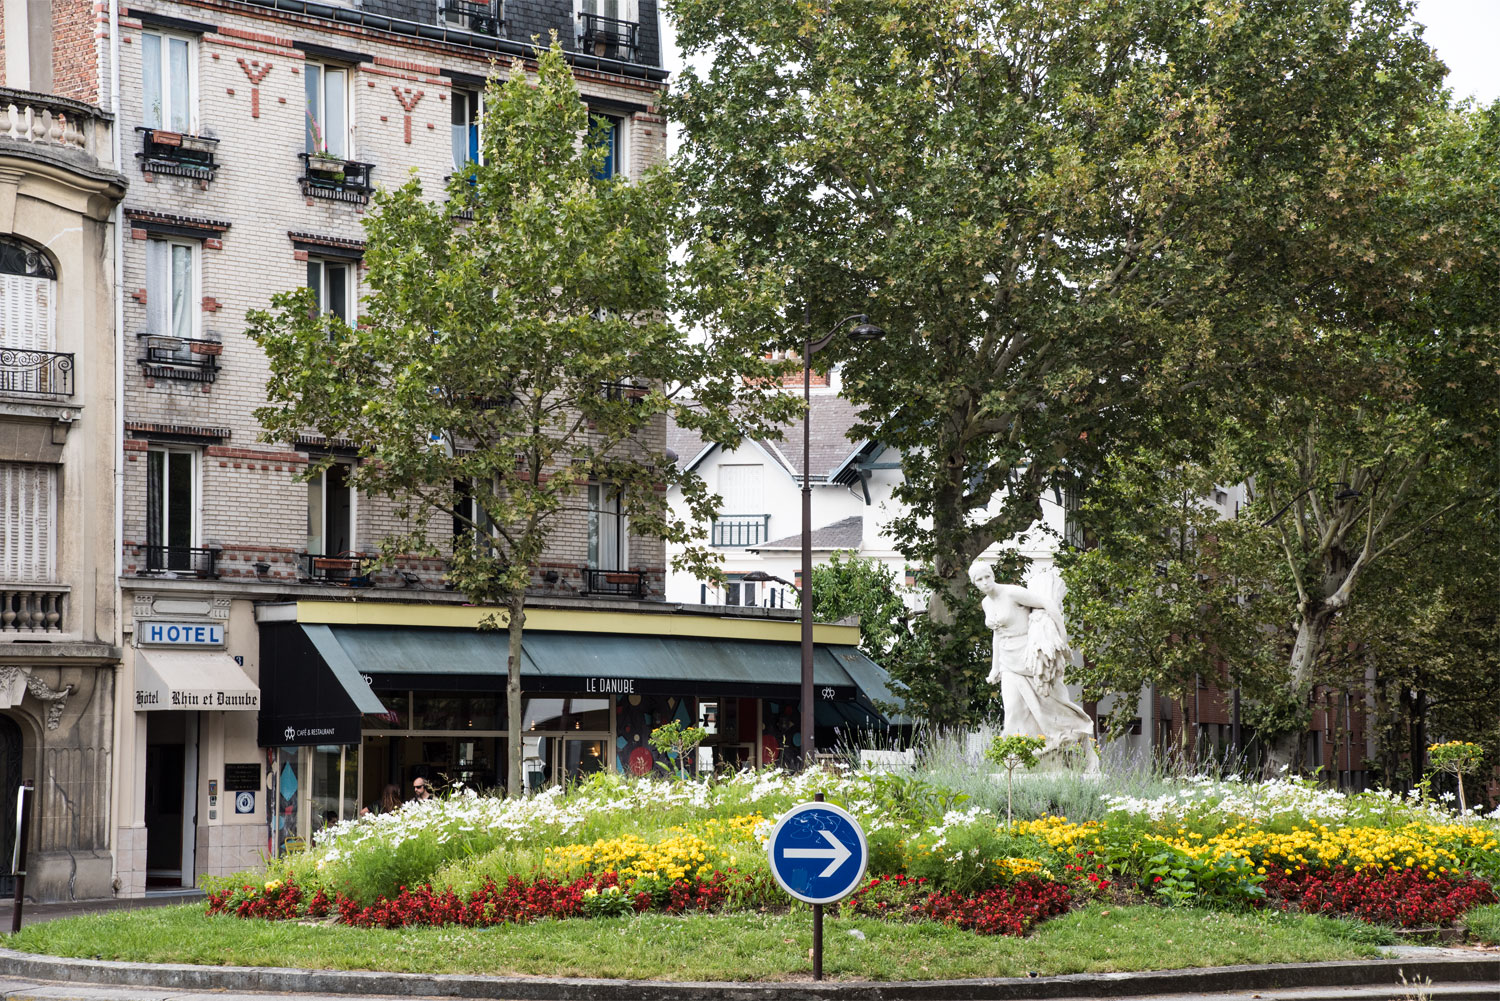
point(741, 487)
point(26, 312)
point(27, 516)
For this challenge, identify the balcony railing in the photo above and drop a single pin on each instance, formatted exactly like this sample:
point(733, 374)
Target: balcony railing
point(339, 180)
point(27, 609)
point(608, 37)
point(349, 569)
point(36, 373)
point(480, 18)
point(186, 562)
point(617, 392)
point(52, 123)
point(190, 359)
point(177, 153)
point(738, 530)
point(614, 583)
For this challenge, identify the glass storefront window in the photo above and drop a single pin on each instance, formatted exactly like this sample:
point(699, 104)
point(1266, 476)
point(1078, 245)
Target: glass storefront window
point(399, 717)
point(583, 757)
point(315, 788)
point(564, 713)
point(444, 711)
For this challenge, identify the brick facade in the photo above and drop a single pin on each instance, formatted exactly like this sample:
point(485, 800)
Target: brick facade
point(250, 97)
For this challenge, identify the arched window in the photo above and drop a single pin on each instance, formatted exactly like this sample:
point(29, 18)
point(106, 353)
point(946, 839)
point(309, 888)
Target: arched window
point(27, 294)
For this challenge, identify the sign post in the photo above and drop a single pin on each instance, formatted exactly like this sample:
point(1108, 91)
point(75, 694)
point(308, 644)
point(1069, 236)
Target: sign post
point(18, 860)
point(818, 854)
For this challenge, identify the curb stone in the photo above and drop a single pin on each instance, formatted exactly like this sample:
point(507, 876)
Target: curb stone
point(1482, 968)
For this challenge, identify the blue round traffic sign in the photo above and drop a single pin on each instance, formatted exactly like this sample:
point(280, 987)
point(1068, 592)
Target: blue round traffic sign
point(818, 853)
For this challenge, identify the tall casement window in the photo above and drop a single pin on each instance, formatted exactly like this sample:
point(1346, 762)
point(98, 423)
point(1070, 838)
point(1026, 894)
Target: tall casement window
point(172, 288)
point(28, 521)
point(171, 508)
point(470, 519)
point(608, 529)
point(330, 511)
point(327, 109)
point(167, 82)
point(333, 284)
point(27, 296)
point(466, 107)
point(610, 136)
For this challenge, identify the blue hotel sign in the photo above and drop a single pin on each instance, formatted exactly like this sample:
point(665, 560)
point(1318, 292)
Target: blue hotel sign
point(182, 633)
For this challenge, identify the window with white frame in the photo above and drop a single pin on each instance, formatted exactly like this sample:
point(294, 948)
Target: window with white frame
point(328, 99)
point(172, 503)
point(172, 290)
point(608, 529)
point(331, 511)
point(466, 106)
point(471, 520)
point(332, 282)
point(168, 82)
point(28, 521)
point(28, 288)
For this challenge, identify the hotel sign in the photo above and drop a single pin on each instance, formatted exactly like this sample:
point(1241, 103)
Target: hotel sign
point(181, 634)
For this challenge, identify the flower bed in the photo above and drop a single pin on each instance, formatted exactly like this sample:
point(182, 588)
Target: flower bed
point(615, 846)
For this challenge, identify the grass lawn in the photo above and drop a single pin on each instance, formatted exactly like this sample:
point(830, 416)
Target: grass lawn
point(739, 946)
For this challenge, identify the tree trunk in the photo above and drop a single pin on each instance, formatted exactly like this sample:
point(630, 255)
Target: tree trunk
point(1312, 630)
point(516, 605)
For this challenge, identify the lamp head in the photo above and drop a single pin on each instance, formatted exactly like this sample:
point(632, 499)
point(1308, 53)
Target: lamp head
point(866, 331)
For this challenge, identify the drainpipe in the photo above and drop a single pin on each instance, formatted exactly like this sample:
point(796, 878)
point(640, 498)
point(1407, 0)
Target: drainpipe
point(123, 717)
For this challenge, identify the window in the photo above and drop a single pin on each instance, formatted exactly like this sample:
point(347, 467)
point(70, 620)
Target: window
point(738, 591)
point(609, 136)
point(333, 284)
point(467, 106)
point(330, 511)
point(608, 529)
point(28, 506)
point(470, 519)
point(27, 282)
point(608, 28)
point(172, 289)
point(167, 82)
point(171, 508)
point(327, 109)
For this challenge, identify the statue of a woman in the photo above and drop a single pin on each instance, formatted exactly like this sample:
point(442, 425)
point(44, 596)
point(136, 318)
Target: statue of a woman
point(1030, 652)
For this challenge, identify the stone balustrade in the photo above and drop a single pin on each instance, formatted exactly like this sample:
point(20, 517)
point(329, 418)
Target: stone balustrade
point(30, 609)
point(51, 122)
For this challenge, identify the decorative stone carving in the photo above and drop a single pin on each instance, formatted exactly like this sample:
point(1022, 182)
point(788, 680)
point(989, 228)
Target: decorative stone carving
point(13, 685)
point(55, 699)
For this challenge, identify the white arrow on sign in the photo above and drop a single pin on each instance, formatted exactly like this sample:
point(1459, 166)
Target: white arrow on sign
point(838, 854)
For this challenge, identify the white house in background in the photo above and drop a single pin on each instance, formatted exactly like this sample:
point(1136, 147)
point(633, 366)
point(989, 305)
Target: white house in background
point(759, 523)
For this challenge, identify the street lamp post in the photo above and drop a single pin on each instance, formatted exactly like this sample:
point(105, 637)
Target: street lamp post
point(863, 330)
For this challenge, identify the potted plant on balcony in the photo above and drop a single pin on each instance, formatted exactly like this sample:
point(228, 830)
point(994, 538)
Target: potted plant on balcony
point(321, 162)
point(198, 144)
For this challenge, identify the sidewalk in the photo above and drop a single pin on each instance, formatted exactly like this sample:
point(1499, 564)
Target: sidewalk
point(36, 913)
point(1433, 973)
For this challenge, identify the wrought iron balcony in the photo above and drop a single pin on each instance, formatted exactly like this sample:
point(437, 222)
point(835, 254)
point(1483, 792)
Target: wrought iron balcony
point(36, 373)
point(617, 392)
point(339, 180)
point(738, 530)
point(189, 562)
point(177, 153)
point(480, 18)
point(614, 583)
point(189, 359)
point(348, 569)
point(608, 37)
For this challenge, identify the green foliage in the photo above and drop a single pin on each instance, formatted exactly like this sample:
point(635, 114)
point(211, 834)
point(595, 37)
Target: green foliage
point(1484, 924)
point(1015, 751)
point(911, 798)
point(677, 739)
point(1220, 882)
point(967, 855)
point(1078, 222)
point(867, 589)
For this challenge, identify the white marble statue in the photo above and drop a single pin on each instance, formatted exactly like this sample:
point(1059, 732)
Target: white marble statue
point(1030, 653)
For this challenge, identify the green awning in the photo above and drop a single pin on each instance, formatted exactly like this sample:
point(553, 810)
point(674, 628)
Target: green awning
point(554, 659)
point(872, 680)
